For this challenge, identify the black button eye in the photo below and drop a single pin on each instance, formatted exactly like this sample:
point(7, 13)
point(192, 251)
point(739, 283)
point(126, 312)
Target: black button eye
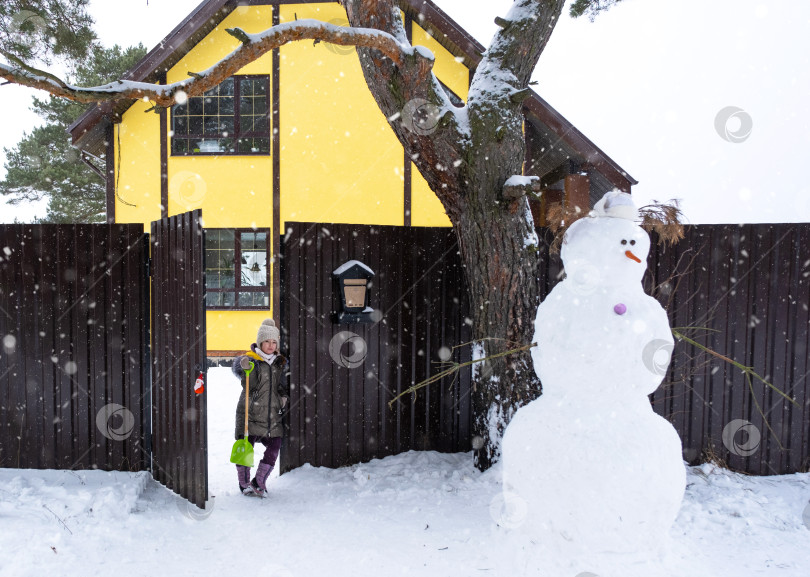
point(632, 242)
point(624, 241)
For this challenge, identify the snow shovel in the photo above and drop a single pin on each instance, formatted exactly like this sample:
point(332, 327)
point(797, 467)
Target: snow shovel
point(242, 452)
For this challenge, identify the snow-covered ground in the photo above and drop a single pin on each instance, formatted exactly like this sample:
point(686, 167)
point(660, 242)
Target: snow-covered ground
point(414, 514)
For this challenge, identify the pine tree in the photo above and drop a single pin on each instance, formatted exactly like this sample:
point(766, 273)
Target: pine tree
point(44, 164)
point(39, 31)
point(590, 7)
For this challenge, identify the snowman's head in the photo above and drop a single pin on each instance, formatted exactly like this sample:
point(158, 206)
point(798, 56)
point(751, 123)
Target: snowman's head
point(605, 251)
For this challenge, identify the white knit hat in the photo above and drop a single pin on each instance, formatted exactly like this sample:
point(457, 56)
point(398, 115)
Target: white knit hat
point(268, 332)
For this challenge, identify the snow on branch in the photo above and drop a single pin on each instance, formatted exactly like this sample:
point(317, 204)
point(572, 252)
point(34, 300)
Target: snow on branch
point(517, 186)
point(252, 47)
point(508, 63)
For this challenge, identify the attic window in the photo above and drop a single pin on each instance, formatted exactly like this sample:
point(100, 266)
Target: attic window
point(232, 118)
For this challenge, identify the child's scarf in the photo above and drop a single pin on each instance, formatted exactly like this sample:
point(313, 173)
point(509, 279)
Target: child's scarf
point(267, 358)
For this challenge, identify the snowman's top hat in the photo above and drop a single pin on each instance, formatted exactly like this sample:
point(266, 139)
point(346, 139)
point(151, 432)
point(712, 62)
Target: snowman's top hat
point(616, 204)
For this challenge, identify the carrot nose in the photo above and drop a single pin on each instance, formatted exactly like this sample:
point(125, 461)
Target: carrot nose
point(631, 256)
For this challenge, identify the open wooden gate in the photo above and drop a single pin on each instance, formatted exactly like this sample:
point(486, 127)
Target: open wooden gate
point(179, 419)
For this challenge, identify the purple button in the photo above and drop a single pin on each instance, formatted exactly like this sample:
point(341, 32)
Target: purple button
point(620, 309)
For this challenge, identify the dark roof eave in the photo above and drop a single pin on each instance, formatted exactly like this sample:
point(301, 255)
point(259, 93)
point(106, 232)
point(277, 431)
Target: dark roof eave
point(465, 45)
point(83, 130)
point(593, 155)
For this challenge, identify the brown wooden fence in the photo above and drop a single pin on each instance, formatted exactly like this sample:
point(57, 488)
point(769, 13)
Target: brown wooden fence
point(742, 290)
point(339, 411)
point(76, 372)
point(73, 312)
point(179, 415)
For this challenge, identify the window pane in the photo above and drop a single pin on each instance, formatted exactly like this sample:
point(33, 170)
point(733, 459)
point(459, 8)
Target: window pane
point(179, 146)
point(253, 299)
point(227, 238)
point(248, 240)
point(211, 105)
point(228, 299)
point(226, 87)
point(226, 279)
point(195, 106)
point(211, 125)
point(246, 86)
point(260, 105)
point(254, 258)
point(261, 124)
point(226, 126)
point(211, 237)
point(260, 145)
point(195, 125)
point(254, 145)
point(180, 125)
point(226, 260)
point(246, 106)
point(219, 265)
point(226, 105)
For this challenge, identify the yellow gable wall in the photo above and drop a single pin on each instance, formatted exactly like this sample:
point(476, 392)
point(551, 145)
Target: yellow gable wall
point(340, 161)
point(137, 164)
point(233, 191)
point(426, 208)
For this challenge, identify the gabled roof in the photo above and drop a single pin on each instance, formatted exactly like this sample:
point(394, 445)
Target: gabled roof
point(565, 141)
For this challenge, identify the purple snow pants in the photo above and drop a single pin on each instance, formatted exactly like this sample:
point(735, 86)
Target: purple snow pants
point(272, 445)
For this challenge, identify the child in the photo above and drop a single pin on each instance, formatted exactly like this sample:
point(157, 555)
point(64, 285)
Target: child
point(268, 396)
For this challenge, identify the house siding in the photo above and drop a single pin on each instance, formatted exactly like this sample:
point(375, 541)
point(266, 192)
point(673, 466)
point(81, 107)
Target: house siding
point(339, 161)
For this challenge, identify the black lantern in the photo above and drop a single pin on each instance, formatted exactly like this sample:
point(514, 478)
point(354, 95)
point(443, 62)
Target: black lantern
point(353, 283)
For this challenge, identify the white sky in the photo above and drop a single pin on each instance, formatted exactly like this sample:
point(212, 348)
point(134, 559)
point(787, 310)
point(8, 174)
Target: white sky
point(644, 82)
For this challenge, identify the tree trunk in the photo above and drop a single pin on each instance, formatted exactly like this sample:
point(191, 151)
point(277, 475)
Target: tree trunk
point(466, 161)
point(498, 248)
point(502, 280)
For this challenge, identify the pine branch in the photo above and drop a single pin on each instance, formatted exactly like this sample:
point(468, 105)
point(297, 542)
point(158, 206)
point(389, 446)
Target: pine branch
point(32, 70)
point(252, 47)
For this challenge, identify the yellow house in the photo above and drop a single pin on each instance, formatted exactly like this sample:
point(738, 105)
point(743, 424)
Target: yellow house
point(295, 136)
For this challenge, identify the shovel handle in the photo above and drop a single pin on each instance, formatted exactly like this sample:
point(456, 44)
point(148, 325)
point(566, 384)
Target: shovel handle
point(247, 366)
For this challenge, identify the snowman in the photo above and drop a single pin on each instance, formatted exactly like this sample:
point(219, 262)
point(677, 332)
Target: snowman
point(596, 470)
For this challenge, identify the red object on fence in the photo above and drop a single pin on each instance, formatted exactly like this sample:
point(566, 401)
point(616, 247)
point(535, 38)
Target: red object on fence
point(199, 384)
